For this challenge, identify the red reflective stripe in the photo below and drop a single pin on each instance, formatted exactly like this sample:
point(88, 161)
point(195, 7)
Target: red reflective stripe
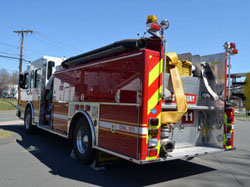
point(154, 86)
point(153, 61)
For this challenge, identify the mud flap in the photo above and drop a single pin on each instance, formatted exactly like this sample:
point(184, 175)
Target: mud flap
point(103, 159)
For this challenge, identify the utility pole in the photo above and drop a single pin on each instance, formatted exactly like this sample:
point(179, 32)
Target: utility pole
point(22, 32)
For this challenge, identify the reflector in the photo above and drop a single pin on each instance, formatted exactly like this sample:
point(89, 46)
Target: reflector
point(153, 121)
point(152, 152)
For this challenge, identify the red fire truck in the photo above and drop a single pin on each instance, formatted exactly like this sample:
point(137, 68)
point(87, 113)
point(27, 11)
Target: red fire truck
point(132, 100)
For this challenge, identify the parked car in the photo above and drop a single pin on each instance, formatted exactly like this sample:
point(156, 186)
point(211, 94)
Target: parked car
point(7, 96)
point(4, 95)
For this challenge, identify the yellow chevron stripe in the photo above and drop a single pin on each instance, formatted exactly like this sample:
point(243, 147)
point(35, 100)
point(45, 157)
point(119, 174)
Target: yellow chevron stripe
point(154, 99)
point(155, 72)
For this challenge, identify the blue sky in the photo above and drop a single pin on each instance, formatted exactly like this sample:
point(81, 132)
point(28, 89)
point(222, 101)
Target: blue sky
point(67, 28)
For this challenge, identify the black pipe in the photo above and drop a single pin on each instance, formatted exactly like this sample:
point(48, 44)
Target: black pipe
point(108, 50)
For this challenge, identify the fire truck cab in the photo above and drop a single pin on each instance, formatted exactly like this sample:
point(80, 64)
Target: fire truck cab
point(33, 94)
point(133, 100)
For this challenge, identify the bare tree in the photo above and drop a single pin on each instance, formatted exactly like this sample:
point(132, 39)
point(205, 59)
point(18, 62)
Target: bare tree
point(4, 77)
point(14, 78)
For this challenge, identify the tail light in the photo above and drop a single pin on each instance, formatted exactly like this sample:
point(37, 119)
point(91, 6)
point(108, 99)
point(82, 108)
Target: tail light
point(228, 135)
point(235, 51)
point(228, 128)
point(76, 107)
point(153, 121)
point(87, 107)
point(229, 142)
point(152, 152)
point(229, 120)
point(153, 132)
point(152, 142)
point(82, 107)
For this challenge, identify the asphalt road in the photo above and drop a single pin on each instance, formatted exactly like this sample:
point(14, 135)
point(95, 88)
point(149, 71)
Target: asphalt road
point(8, 115)
point(43, 159)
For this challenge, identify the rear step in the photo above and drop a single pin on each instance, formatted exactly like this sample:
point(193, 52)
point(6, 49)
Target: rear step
point(185, 153)
point(192, 151)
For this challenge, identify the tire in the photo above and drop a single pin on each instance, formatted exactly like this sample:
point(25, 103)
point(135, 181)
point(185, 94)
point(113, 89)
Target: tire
point(82, 142)
point(190, 158)
point(28, 126)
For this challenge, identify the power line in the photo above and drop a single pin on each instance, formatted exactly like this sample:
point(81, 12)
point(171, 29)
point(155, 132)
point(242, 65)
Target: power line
point(26, 53)
point(46, 40)
point(12, 57)
point(26, 50)
point(16, 47)
point(9, 45)
point(2, 52)
point(51, 43)
point(55, 43)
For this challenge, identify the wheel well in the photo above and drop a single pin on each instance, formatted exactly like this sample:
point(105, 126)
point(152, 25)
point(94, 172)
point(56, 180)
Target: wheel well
point(73, 123)
point(27, 106)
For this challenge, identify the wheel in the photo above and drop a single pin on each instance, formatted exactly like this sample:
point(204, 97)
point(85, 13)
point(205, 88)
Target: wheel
point(82, 142)
point(190, 158)
point(29, 128)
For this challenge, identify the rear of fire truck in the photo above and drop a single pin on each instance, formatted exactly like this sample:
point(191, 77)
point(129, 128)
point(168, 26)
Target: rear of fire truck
point(144, 104)
point(186, 111)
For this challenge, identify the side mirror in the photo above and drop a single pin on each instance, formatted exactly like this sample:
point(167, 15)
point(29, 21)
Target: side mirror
point(51, 64)
point(21, 81)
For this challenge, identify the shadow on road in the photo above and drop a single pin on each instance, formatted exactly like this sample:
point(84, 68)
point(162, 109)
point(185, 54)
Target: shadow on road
point(54, 152)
